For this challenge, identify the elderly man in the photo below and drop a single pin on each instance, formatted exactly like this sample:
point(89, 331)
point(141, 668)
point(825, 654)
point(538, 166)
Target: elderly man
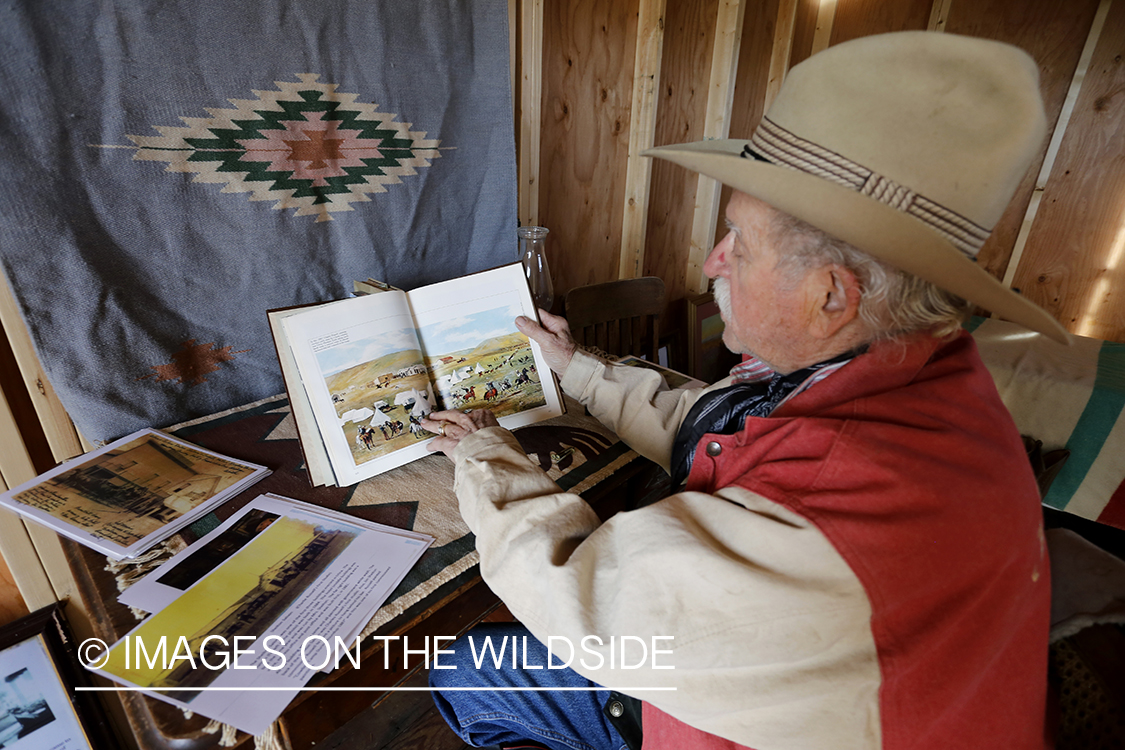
point(855, 557)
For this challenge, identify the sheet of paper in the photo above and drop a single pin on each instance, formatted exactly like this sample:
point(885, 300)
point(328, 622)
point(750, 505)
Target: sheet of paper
point(673, 378)
point(128, 495)
point(239, 644)
point(164, 585)
point(35, 693)
point(312, 444)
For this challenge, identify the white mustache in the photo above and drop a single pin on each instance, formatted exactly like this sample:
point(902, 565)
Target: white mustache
point(722, 297)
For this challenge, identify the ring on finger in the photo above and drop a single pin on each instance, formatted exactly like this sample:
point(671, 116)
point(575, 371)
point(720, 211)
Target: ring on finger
point(441, 429)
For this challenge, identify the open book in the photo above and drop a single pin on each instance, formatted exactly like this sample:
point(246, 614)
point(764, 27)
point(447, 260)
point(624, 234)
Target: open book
point(362, 372)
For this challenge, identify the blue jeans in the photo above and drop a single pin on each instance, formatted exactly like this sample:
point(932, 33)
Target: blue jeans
point(562, 720)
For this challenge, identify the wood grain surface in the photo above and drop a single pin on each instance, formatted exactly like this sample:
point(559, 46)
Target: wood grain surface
point(1074, 261)
point(804, 30)
point(588, 49)
point(1053, 34)
point(856, 18)
point(688, 40)
point(752, 79)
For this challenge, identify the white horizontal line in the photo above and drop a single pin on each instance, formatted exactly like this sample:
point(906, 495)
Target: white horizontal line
point(358, 689)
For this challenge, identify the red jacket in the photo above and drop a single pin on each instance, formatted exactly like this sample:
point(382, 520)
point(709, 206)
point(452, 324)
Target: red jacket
point(908, 462)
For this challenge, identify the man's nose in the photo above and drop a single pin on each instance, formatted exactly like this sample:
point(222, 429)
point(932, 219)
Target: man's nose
point(716, 262)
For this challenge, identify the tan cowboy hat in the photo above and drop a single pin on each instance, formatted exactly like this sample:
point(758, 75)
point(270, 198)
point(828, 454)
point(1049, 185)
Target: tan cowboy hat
point(908, 146)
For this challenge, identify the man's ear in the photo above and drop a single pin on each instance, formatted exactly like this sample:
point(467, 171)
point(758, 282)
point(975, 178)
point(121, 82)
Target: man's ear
point(838, 294)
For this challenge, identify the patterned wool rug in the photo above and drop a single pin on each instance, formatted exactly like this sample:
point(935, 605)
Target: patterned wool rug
point(574, 449)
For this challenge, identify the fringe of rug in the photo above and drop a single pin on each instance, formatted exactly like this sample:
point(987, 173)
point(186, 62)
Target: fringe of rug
point(269, 739)
point(128, 572)
point(228, 735)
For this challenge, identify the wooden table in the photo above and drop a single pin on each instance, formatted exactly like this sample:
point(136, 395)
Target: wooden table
point(450, 610)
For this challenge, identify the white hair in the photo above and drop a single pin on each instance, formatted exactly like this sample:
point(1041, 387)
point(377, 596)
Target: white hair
point(892, 302)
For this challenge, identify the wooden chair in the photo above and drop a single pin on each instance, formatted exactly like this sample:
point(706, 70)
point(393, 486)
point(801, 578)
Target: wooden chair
point(618, 317)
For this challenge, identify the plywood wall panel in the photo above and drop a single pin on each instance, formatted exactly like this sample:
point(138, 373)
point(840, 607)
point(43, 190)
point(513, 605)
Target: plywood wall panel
point(689, 36)
point(857, 18)
point(29, 432)
point(804, 31)
point(752, 79)
point(753, 66)
point(1074, 261)
point(642, 135)
point(588, 54)
point(1053, 33)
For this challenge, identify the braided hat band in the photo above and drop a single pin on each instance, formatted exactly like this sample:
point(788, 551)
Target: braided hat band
point(776, 145)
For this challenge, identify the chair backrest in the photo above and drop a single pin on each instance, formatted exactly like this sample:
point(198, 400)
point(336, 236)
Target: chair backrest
point(618, 317)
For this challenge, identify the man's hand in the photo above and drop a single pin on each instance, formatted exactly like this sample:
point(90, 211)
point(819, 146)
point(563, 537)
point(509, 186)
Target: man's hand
point(553, 338)
point(452, 427)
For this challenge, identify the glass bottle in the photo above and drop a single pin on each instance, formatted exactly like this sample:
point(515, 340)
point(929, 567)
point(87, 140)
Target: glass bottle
point(535, 268)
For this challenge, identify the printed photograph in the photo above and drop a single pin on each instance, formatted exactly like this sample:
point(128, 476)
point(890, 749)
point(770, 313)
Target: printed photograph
point(380, 391)
point(218, 550)
point(481, 361)
point(127, 493)
point(34, 708)
point(244, 597)
point(24, 709)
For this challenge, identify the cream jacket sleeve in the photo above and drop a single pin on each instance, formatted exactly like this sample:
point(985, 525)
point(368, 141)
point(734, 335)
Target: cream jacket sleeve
point(633, 402)
point(740, 605)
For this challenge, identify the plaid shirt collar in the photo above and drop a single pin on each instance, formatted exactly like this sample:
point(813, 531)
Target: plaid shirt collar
point(751, 370)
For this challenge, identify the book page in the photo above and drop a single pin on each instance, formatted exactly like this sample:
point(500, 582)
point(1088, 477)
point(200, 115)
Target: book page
point(362, 369)
point(312, 445)
point(477, 357)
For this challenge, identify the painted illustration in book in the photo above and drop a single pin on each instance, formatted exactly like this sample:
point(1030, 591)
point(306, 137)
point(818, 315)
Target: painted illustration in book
point(383, 386)
point(480, 361)
point(380, 392)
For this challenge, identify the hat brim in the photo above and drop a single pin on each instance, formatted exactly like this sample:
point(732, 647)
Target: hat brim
point(886, 233)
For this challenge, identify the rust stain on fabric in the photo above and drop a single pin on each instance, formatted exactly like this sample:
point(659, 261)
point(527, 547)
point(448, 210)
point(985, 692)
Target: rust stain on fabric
point(192, 362)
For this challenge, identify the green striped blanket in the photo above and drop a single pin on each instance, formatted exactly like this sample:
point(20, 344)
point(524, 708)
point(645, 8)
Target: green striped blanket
point(1070, 397)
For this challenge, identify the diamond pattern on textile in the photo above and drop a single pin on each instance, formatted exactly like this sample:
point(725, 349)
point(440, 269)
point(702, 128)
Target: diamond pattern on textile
point(305, 145)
